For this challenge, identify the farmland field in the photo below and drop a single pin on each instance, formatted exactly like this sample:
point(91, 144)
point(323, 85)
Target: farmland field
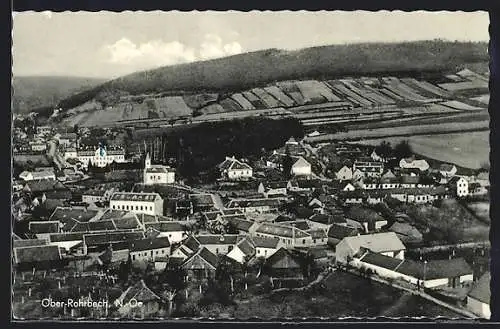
point(480, 209)
point(468, 149)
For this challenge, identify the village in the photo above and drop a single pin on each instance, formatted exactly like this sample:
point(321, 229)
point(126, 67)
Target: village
point(98, 222)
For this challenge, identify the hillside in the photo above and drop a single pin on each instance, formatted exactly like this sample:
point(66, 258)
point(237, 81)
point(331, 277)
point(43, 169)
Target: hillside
point(30, 93)
point(244, 71)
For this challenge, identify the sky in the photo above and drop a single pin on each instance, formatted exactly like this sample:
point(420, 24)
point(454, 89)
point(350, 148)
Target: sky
point(108, 44)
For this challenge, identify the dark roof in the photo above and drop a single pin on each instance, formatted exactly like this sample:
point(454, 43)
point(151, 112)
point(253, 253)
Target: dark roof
point(244, 203)
point(246, 247)
point(282, 230)
point(127, 223)
point(261, 242)
point(201, 199)
point(184, 204)
point(36, 254)
point(192, 243)
point(45, 185)
point(28, 243)
point(321, 218)
point(275, 185)
point(283, 259)
point(481, 290)
point(221, 239)
point(240, 224)
point(317, 234)
point(140, 292)
point(200, 260)
point(108, 237)
point(436, 269)
point(63, 214)
point(407, 179)
point(380, 260)
point(166, 226)
point(149, 244)
point(362, 215)
point(37, 227)
point(341, 231)
point(111, 214)
point(61, 237)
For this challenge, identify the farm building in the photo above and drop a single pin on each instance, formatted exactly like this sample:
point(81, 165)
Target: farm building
point(233, 169)
point(387, 244)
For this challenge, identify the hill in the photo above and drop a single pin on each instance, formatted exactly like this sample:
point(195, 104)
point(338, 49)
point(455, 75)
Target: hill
point(244, 71)
point(33, 92)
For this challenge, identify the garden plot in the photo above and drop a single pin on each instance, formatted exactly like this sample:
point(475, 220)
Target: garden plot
point(390, 94)
point(454, 77)
point(407, 93)
point(293, 91)
point(316, 91)
point(256, 101)
point(279, 95)
point(244, 103)
point(342, 89)
point(321, 107)
point(375, 95)
point(199, 100)
point(460, 106)
point(79, 119)
point(230, 105)
point(464, 85)
point(172, 106)
point(267, 99)
point(213, 108)
point(470, 75)
point(427, 87)
point(485, 99)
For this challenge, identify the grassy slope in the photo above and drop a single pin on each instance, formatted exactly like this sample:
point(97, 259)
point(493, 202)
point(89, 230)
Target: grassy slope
point(31, 92)
point(249, 70)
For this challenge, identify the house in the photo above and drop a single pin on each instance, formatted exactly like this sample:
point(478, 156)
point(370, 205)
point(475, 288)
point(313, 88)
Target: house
point(382, 243)
point(100, 155)
point(301, 167)
point(429, 274)
point(157, 174)
point(43, 130)
point(369, 219)
point(344, 173)
point(149, 249)
point(201, 264)
point(38, 146)
point(290, 235)
point(412, 163)
point(357, 175)
point(483, 178)
point(243, 251)
point(71, 243)
point(174, 231)
point(218, 244)
point(128, 302)
point(146, 203)
point(337, 232)
point(476, 189)
point(40, 256)
point(97, 195)
point(266, 246)
point(291, 141)
point(38, 175)
point(283, 264)
point(242, 225)
point(233, 169)
point(271, 189)
point(447, 170)
point(184, 208)
point(478, 299)
point(375, 156)
point(67, 139)
point(255, 205)
point(369, 168)
point(116, 253)
point(352, 197)
point(459, 186)
point(202, 202)
point(98, 242)
point(70, 153)
point(347, 187)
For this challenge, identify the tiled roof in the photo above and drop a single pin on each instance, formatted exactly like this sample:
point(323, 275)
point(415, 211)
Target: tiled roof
point(64, 214)
point(44, 185)
point(37, 227)
point(246, 247)
point(139, 292)
point(108, 237)
point(387, 262)
point(261, 242)
point(149, 244)
point(317, 234)
point(201, 259)
point(61, 237)
point(233, 164)
point(214, 239)
point(378, 242)
point(341, 231)
point(240, 224)
point(283, 259)
point(166, 226)
point(247, 203)
point(36, 254)
point(28, 243)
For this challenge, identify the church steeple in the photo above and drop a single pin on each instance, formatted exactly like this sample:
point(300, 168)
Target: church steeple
point(147, 162)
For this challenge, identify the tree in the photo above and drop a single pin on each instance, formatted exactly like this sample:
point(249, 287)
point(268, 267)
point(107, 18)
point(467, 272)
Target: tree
point(287, 164)
point(384, 150)
point(403, 150)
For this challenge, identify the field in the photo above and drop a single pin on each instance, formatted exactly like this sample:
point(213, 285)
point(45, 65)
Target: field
point(480, 209)
point(343, 295)
point(468, 149)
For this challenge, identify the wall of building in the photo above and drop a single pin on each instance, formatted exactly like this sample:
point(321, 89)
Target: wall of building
point(173, 237)
point(149, 208)
point(239, 173)
point(149, 255)
point(479, 308)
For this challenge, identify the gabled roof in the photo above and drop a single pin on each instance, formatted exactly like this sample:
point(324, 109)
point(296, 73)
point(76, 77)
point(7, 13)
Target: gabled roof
point(62, 237)
point(446, 167)
point(247, 203)
point(201, 260)
point(233, 164)
point(45, 185)
point(283, 259)
point(481, 290)
point(192, 243)
point(111, 237)
point(218, 239)
point(140, 292)
point(261, 242)
point(240, 224)
point(301, 162)
point(378, 242)
point(455, 179)
point(317, 234)
point(137, 197)
point(166, 226)
point(36, 254)
point(380, 260)
point(149, 244)
point(436, 269)
point(247, 247)
point(270, 185)
point(63, 214)
point(341, 231)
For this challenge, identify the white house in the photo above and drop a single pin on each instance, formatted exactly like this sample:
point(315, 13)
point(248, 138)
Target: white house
point(243, 251)
point(233, 169)
point(38, 174)
point(100, 156)
point(139, 203)
point(174, 231)
point(411, 163)
point(70, 153)
point(459, 185)
point(344, 173)
point(301, 167)
point(387, 244)
point(447, 170)
point(266, 247)
point(157, 174)
point(478, 299)
point(375, 156)
point(38, 146)
point(271, 189)
point(289, 235)
point(149, 249)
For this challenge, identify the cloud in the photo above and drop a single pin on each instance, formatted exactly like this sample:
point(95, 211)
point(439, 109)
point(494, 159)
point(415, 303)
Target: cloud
point(156, 53)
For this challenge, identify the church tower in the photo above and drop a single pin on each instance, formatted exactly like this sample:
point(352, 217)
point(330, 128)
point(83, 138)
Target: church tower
point(147, 162)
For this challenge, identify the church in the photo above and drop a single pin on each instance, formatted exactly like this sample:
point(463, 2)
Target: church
point(157, 174)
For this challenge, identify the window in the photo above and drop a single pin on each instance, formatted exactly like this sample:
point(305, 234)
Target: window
point(141, 208)
point(113, 206)
point(151, 208)
point(133, 257)
point(216, 250)
point(229, 248)
point(157, 252)
point(258, 251)
point(303, 241)
point(314, 241)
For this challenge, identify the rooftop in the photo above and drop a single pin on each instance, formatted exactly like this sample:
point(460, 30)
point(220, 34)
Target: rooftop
point(131, 196)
